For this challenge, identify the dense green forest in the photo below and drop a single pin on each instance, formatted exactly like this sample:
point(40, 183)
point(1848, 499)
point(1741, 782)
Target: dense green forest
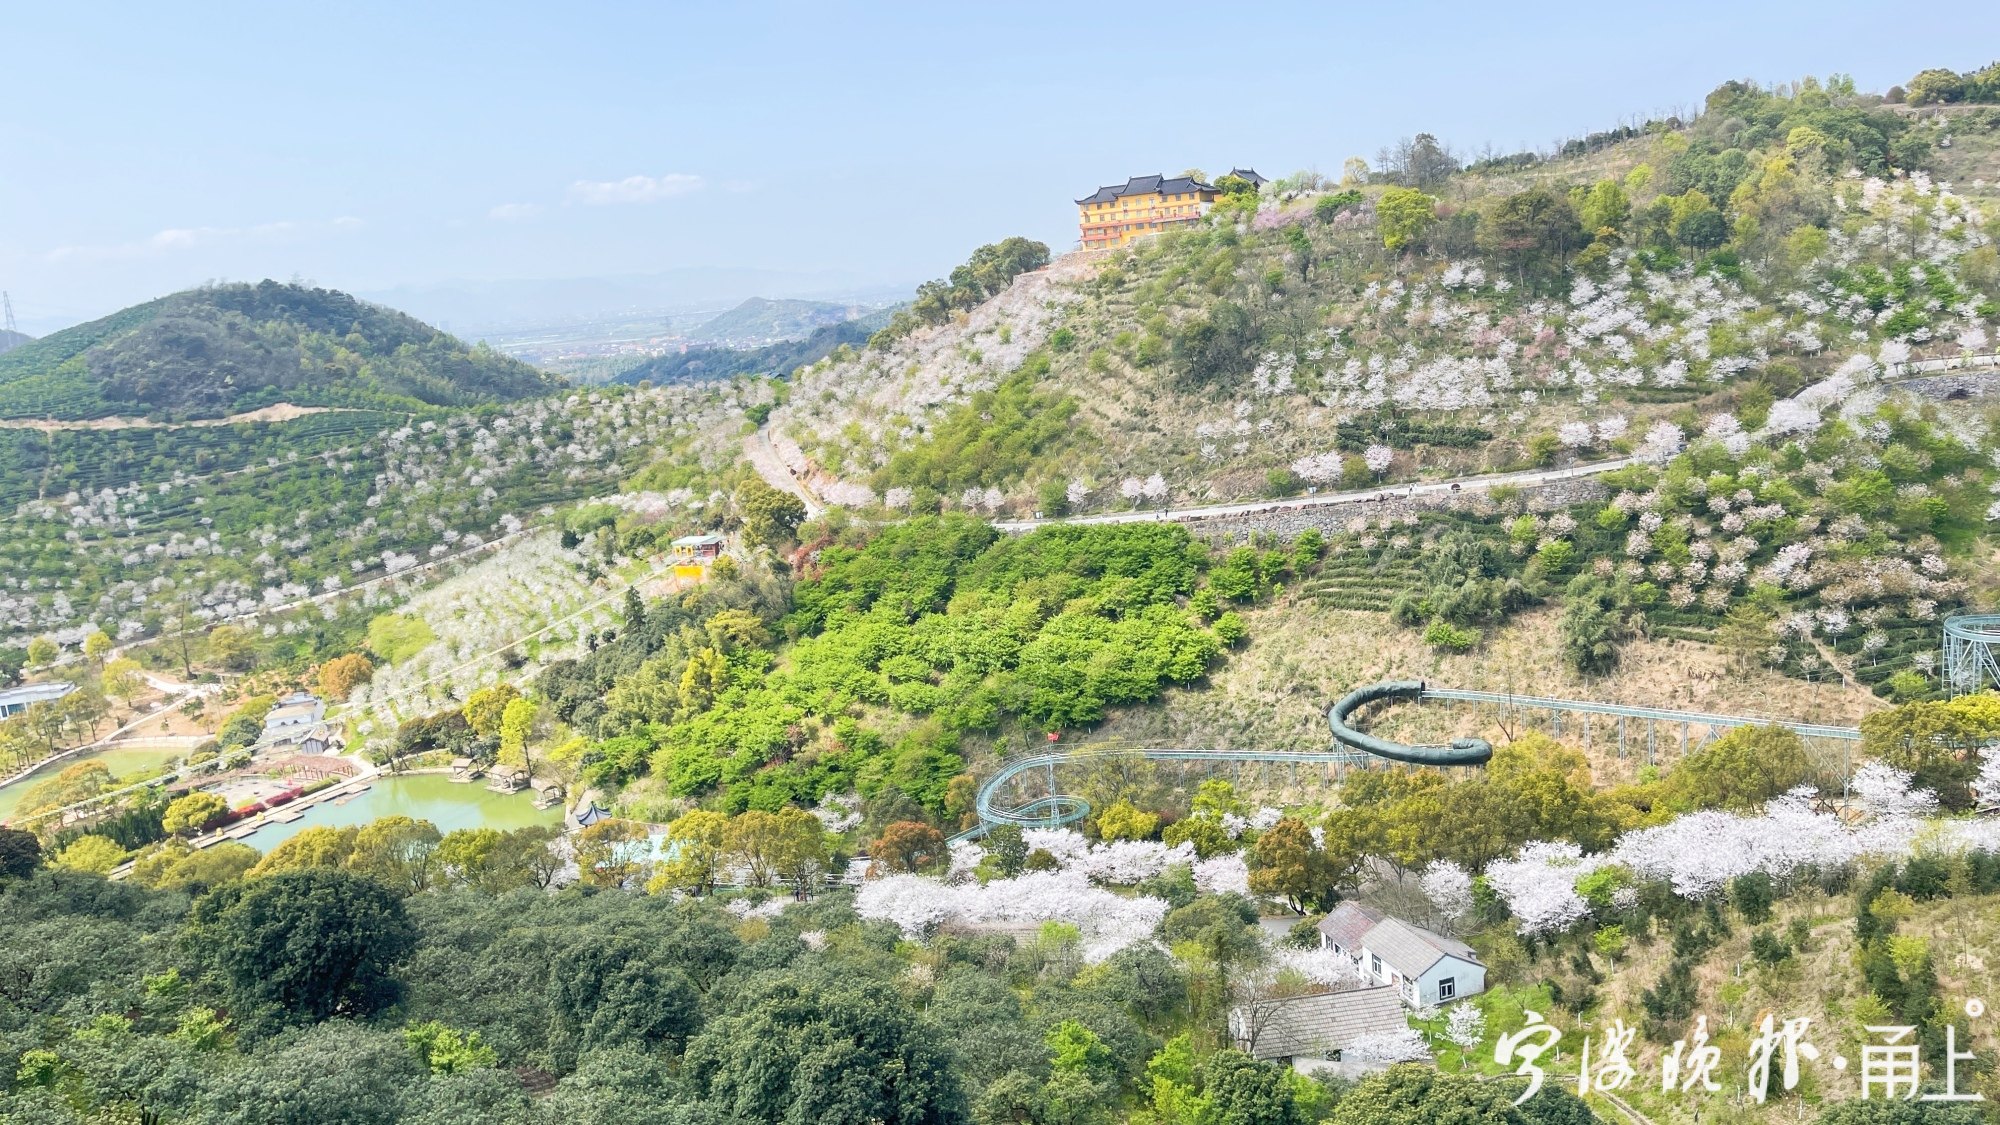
point(893, 647)
point(432, 981)
point(209, 352)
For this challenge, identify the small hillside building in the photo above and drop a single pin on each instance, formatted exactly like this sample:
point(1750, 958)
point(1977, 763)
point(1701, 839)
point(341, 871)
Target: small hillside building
point(1313, 1033)
point(1425, 968)
point(1113, 216)
point(293, 720)
point(694, 553)
point(15, 700)
point(324, 738)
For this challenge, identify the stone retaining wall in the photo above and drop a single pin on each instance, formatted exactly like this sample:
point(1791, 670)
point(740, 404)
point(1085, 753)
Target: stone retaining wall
point(1286, 523)
point(1944, 388)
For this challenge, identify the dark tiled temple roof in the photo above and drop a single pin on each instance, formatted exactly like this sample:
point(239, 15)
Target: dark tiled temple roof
point(1147, 185)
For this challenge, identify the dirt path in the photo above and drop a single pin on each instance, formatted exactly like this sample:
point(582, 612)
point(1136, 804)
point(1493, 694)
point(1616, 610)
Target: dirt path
point(762, 457)
point(278, 412)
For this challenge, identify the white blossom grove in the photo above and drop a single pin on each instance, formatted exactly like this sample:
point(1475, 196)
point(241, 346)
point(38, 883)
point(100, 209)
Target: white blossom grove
point(417, 495)
point(1699, 853)
point(1662, 441)
point(531, 588)
point(1696, 855)
point(1121, 862)
point(896, 395)
point(1109, 922)
point(1228, 873)
point(1539, 885)
point(1072, 893)
point(1885, 792)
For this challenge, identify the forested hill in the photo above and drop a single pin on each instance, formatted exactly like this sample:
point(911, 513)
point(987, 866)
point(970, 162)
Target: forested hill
point(698, 364)
point(9, 340)
point(760, 319)
point(218, 350)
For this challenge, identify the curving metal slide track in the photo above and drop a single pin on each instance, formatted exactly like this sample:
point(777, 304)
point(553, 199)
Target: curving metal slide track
point(1054, 808)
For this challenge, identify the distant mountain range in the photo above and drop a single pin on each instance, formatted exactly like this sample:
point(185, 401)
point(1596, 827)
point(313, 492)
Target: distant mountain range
point(761, 320)
point(492, 308)
point(701, 364)
point(10, 340)
point(215, 351)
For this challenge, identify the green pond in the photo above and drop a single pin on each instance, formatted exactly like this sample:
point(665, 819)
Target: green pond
point(432, 797)
point(123, 763)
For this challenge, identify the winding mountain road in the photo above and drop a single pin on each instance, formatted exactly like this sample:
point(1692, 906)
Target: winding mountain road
point(763, 457)
point(757, 449)
point(1328, 499)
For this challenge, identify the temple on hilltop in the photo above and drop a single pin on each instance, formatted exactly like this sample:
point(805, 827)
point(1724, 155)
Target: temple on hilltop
point(1114, 216)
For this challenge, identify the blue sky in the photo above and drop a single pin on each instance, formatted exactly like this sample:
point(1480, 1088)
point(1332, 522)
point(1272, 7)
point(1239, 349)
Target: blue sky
point(144, 148)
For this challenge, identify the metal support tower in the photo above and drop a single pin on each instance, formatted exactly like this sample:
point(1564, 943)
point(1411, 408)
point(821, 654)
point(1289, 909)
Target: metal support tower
point(1971, 653)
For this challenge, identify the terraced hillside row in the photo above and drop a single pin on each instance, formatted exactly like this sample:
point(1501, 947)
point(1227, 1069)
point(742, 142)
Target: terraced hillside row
point(312, 506)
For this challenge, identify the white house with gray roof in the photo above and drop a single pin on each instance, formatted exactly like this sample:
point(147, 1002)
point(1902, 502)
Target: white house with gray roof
point(293, 720)
point(15, 700)
point(1425, 968)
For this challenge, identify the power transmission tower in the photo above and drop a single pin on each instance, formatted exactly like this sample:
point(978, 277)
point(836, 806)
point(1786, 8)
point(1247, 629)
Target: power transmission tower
point(7, 305)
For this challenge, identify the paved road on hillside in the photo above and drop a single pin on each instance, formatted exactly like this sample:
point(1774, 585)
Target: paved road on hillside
point(1326, 499)
point(757, 448)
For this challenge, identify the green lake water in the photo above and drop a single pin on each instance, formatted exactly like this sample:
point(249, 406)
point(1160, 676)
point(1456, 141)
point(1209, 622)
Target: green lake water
point(432, 797)
point(123, 763)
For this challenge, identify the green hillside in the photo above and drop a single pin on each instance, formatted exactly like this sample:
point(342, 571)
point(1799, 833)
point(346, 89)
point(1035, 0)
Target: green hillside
point(761, 318)
point(771, 359)
point(1459, 317)
point(900, 815)
point(210, 352)
point(9, 340)
point(1719, 298)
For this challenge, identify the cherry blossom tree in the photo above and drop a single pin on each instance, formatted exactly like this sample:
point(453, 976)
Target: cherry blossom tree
point(1319, 468)
point(1987, 784)
point(1449, 887)
point(1662, 442)
point(1335, 971)
point(1386, 1047)
point(1539, 885)
point(1465, 1027)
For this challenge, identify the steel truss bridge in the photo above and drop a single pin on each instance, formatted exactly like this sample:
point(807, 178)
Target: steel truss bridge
point(1054, 808)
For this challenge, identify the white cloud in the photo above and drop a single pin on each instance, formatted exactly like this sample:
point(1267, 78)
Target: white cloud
point(174, 239)
point(514, 212)
point(633, 189)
